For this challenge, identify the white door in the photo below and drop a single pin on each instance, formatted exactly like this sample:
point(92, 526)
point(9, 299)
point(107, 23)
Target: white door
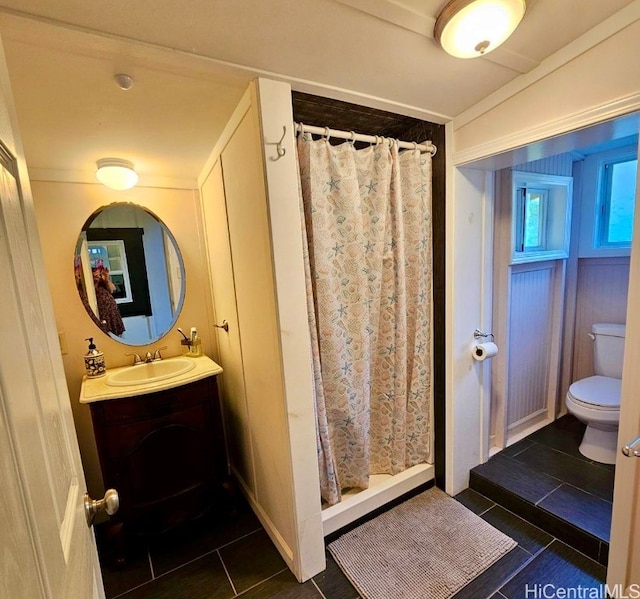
point(46, 548)
point(624, 553)
point(252, 220)
point(229, 347)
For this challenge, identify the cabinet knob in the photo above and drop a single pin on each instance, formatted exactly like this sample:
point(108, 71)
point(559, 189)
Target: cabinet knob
point(109, 504)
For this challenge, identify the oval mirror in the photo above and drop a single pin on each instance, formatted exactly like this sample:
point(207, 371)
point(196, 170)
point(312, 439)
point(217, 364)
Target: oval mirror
point(129, 273)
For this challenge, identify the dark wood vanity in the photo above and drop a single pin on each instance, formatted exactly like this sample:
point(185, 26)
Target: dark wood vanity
point(164, 452)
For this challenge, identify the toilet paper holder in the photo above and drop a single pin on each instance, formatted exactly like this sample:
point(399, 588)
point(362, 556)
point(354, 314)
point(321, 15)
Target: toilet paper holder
point(478, 334)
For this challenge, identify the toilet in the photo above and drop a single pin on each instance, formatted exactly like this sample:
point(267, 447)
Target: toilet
point(596, 399)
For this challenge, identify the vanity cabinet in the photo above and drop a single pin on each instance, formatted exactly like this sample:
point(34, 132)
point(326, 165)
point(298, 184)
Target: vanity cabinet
point(165, 454)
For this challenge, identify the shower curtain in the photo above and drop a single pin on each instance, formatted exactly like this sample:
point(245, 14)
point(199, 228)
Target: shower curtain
point(367, 226)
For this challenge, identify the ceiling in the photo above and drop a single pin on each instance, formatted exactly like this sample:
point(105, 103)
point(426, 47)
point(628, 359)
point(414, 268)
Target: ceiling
point(192, 61)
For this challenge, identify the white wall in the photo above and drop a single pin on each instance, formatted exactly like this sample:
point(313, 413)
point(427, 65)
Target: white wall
point(599, 84)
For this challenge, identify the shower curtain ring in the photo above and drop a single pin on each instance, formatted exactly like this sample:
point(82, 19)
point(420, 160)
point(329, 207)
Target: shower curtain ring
point(327, 133)
point(415, 146)
point(352, 141)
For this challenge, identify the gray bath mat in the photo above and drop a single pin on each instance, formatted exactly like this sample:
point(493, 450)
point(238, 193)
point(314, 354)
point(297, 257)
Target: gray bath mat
point(428, 547)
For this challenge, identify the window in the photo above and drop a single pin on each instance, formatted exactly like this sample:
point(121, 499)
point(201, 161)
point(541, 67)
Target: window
point(532, 221)
point(541, 209)
point(616, 203)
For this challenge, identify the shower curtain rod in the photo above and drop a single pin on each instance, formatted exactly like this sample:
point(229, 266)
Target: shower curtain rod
point(372, 139)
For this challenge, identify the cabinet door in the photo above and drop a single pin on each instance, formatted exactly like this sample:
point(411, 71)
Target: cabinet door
point(165, 454)
point(252, 217)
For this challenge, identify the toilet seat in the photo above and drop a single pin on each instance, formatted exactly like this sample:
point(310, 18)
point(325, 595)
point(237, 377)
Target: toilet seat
point(596, 393)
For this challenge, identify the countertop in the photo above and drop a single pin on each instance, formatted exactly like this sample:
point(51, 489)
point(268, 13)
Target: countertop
point(96, 389)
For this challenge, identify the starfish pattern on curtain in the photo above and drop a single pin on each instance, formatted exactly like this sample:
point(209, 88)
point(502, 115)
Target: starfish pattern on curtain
point(368, 260)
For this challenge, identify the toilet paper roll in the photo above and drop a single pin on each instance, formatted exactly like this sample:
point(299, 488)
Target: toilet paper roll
point(484, 351)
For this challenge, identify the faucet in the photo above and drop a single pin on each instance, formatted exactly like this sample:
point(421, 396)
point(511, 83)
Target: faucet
point(148, 358)
point(136, 358)
point(156, 354)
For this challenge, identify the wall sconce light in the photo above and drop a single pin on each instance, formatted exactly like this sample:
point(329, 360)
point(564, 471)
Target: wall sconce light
point(470, 28)
point(116, 173)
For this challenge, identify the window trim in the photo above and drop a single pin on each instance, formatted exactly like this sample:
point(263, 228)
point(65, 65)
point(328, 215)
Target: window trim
point(555, 217)
point(588, 179)
point(603, 204)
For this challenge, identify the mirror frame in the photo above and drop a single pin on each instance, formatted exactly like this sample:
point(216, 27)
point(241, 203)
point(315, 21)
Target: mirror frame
point(136, 289)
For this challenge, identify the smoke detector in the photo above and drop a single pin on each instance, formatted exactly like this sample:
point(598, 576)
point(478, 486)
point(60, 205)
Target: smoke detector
point(124, 81)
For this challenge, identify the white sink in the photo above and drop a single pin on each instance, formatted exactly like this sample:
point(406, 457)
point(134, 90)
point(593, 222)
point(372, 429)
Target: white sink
point(150, 372)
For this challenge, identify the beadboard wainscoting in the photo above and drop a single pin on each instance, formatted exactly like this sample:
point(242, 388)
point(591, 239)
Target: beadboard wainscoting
point(602, 297)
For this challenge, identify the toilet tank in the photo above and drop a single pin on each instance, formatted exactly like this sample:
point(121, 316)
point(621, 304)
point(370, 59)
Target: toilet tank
point(608, 349)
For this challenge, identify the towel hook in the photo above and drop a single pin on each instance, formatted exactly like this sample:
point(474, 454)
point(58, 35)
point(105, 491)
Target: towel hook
point(280, 151)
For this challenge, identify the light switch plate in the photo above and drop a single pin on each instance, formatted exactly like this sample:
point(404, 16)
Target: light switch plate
point(62, 340)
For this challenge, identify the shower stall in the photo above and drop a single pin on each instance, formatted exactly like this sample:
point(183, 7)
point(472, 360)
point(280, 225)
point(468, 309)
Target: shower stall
point(368, 265)
point(253, 234)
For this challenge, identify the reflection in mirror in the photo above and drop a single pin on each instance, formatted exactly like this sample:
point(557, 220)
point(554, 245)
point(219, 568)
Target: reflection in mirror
point(129, 274)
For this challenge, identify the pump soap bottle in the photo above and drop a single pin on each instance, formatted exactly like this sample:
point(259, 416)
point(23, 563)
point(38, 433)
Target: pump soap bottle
point(94, 360)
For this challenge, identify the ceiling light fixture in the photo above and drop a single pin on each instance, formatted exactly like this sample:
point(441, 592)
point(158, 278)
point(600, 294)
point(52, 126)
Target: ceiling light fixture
point(470, 28)
point(116, 173)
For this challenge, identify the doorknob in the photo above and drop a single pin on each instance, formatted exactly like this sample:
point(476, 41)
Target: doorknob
point(109, 503)
point(632, 450)
point(224, 325)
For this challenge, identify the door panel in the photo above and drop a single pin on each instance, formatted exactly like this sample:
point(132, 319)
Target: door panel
point(21, 572)
point(232, 379)
point(57, 558)
point(256, 304)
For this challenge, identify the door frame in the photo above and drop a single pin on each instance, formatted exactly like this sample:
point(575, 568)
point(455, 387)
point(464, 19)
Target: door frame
point(623, 549)
point(463, 389)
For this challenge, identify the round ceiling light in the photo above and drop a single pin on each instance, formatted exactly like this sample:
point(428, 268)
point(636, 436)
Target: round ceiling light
point(470, 28)
point(116, 173)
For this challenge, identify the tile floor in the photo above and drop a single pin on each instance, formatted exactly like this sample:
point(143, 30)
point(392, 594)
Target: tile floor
point(546, 480)
point(227, 557)
point(539, 559)
point(217, 557)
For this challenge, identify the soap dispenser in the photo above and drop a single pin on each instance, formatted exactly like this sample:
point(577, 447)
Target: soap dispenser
point(94, 360)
